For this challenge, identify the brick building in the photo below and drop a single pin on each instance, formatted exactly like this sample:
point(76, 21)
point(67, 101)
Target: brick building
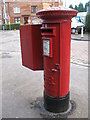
point(18, 10)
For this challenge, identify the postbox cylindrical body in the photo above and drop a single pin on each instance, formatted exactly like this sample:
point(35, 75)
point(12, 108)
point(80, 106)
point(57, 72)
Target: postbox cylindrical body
point(56, 43)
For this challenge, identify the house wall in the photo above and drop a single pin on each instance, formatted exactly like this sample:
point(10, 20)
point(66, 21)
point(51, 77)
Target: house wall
point(25, 8)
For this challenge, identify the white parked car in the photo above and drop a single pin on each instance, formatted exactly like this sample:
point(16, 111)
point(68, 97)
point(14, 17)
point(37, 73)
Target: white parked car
point(76, 25)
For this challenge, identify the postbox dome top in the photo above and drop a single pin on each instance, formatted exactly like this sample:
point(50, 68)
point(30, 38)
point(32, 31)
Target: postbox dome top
point(56, 13)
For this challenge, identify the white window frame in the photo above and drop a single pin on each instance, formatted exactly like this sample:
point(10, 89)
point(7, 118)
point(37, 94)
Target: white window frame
point(16, 10)
point(17, 20)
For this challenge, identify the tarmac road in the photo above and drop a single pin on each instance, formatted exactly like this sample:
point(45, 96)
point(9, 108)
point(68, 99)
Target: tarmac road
point(21, 86)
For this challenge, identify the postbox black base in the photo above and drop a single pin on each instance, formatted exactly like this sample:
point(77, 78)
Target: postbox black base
point(56, 105)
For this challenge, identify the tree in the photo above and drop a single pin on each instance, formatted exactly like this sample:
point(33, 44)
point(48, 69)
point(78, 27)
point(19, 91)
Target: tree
point(81, 8)
point(70, 6)
point(87, 23)
point(76, 8)
point(86, 5)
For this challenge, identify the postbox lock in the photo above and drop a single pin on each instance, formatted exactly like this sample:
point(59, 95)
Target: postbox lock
point(54, 70)
point(57, 66)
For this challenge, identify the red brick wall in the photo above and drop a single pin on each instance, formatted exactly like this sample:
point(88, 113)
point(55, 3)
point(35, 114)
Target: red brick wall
point(0, 12)
point(25, 8)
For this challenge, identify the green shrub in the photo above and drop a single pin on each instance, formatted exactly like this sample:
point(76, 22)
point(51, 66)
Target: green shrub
point(0, 27)
point(15, 26)
point(12, 26)
point(87, 23)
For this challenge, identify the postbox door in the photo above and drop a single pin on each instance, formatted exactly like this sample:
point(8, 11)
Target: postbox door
point(51, 54)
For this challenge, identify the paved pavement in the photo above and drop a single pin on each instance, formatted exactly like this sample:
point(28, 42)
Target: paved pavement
point(79, 49)
point(79, 52)
point(21, 86)
point(78, 37)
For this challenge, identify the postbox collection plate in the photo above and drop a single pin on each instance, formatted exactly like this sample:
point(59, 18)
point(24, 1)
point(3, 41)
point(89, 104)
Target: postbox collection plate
point(47, 47)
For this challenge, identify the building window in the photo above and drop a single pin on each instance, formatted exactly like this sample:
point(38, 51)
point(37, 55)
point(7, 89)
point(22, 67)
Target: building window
point(33, 9)
point(17, 20)
point(16, 9)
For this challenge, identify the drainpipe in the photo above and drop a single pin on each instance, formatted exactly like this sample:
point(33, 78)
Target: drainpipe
point(9, 17)
point(4, 14)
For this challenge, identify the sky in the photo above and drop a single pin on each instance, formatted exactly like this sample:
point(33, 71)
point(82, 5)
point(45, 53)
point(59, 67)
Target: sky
point(74, 2)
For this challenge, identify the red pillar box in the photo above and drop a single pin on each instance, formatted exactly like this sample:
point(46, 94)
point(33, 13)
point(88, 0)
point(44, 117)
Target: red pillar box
point(56, 38)
point(31, 46)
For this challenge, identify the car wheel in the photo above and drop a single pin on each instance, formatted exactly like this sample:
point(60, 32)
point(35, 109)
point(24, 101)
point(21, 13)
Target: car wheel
point(73, 30)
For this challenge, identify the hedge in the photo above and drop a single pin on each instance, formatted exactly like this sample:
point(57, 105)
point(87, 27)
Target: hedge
point(0, 27)
point(87, 23)
point(12, 26)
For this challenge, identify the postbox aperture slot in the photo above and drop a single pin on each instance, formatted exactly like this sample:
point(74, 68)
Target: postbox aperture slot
point(47, 47)
point(48, 31)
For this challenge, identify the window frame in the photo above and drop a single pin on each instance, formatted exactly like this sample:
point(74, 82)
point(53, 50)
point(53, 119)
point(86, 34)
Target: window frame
point(17, 19)
point(34, 9)
point(16, 10)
